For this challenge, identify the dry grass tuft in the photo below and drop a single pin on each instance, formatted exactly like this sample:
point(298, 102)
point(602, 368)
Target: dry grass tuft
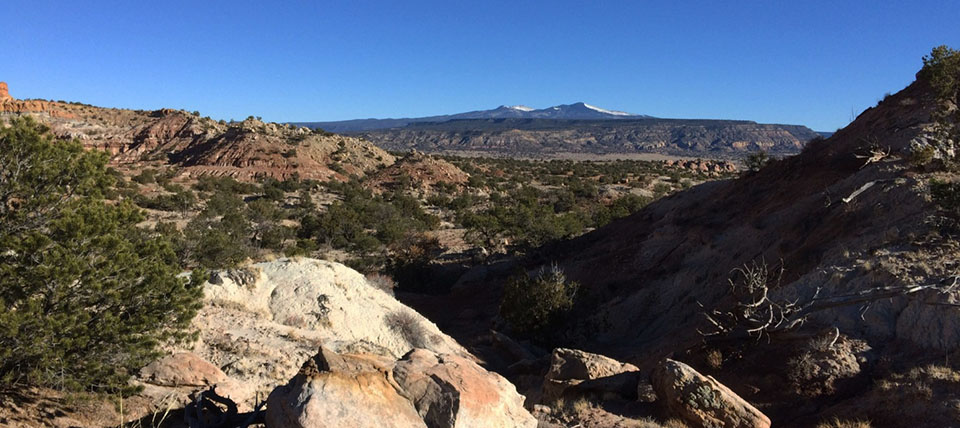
point(407, 325)
point(715, 359)
point(382, 282)
point(582, 405)
point(844, 423)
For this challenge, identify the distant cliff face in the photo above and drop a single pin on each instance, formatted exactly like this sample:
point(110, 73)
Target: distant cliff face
point(677, 137)
point(9, 104)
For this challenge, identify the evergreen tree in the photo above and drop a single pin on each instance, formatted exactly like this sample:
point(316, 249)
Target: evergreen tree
point(86, 297)
point(534, 306)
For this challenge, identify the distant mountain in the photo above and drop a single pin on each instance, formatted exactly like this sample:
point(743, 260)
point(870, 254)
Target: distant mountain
point(576, 111)
point(573, 128)
point(536, 137)
point(579, 111)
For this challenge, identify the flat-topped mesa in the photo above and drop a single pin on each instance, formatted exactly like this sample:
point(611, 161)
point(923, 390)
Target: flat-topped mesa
point(4, 92)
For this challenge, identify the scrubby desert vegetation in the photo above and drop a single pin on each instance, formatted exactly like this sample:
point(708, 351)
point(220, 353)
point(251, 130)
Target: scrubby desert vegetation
point(813, 290)
point(386, 226)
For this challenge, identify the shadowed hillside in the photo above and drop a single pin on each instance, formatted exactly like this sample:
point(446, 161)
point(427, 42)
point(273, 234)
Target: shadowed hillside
point(741, 277)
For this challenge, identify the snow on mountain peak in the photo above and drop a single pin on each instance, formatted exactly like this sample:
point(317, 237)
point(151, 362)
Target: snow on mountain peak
point(520, 107)
point(602, 110)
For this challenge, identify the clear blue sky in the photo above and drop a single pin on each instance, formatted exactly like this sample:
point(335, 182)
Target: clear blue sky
point(807, 62)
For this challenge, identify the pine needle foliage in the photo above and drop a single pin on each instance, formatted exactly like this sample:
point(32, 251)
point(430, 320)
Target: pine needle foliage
point(534, 305)
point(86, 296)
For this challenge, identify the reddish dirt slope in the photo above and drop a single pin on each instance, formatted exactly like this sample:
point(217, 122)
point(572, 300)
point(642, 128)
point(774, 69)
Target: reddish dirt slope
point(244, 150)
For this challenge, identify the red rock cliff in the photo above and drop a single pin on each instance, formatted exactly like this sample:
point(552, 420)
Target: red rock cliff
point(4, 92)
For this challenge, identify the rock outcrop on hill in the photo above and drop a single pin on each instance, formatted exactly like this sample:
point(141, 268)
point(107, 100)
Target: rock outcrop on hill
point(418, 170)
point(4, 92)
point(701, 165)
point(380, 363)
point(260, 321)
point(201, 146)
point(258, 324)
point(9, 104)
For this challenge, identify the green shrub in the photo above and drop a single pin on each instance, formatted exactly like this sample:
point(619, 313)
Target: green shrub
point(922, 155)
point(182, 200)
point(532, 306)
point(219, 236)
point(661, 189)
point(363, 222)
point(438, 200)
point(146, 176)
point(755, 161)
point(939, 146)
point(947, 197)
point(410, 264)
point(163, 177)
point(209, 183)
point(523, 219)
point(86, 296)
point(942, 68)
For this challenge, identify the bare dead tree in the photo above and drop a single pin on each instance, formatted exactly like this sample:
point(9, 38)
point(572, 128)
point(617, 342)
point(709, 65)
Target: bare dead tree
point(876, 155)
point(755, 314)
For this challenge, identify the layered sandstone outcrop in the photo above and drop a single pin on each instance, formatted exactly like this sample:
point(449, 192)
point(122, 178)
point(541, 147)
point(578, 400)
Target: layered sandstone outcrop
point(245, 150)
point(420, 171)
point(9, 104)
point(4, 92)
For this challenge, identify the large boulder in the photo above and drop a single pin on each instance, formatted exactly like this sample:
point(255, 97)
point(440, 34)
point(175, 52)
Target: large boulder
point(182, 369)
point(577, 364)
point(333, 301)
point(450, 391)
point(175, 377)
point(580, 371)
point(701, 401)
point(259, 319)
point(341, 391)
point(424, 389)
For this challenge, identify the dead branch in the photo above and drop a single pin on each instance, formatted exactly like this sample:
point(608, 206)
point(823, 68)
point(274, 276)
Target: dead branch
point(755, 314)
point(863, 189)
point(876, 155)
